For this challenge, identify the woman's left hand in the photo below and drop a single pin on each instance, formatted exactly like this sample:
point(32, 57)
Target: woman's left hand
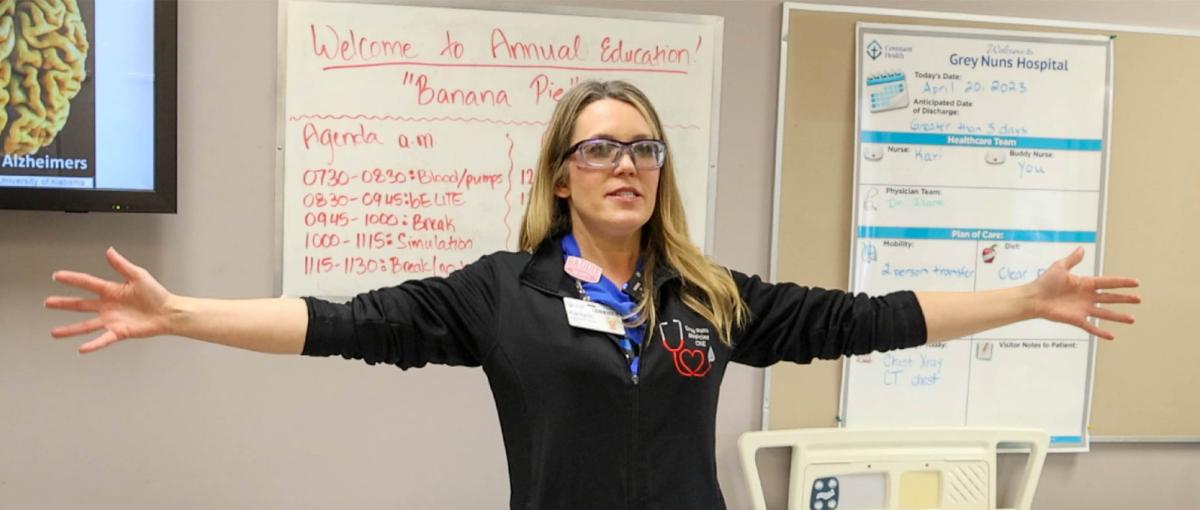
point(1071, 299)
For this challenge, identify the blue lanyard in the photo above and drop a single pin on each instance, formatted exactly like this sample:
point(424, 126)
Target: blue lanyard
point(606, 293)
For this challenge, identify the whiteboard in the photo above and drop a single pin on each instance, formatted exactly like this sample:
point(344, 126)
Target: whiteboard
point(980, 159)
point(408, 135)
point(1138, 394)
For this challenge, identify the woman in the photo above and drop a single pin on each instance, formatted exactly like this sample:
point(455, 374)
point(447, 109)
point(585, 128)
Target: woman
point(606, 337)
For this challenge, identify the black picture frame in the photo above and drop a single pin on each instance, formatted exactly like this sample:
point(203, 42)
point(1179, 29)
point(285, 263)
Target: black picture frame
point(161, 199)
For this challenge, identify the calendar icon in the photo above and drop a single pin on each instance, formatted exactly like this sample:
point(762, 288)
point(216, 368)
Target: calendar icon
point(887, 91)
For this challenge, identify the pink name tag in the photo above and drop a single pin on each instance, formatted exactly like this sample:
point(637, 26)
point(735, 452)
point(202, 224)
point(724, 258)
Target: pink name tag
point(582, 269)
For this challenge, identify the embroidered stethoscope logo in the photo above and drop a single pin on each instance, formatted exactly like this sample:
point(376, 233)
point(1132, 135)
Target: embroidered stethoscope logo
point(688, 362)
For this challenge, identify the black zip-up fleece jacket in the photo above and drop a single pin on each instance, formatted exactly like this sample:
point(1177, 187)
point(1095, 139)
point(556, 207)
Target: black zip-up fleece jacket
point(580, 432)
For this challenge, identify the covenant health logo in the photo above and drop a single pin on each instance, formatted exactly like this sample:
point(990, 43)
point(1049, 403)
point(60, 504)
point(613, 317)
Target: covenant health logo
point(874, 50)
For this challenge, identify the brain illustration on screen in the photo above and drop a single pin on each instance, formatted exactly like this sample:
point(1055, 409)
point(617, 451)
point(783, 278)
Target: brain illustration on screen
point(43, 49)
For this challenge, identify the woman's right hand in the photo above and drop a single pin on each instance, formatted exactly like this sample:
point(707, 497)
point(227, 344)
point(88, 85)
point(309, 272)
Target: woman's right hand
point(135, 308)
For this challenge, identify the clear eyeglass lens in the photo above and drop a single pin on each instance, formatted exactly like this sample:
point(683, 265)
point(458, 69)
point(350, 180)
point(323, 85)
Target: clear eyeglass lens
point(599, 152)
point(647, 154)
point(603, 153)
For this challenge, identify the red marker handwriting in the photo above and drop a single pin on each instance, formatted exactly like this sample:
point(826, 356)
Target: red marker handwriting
point(332, 43)
point(430, 95)
point(331, 139)
point(453, 49)
point(545, 88)
point(615, 51)
point(536, 51)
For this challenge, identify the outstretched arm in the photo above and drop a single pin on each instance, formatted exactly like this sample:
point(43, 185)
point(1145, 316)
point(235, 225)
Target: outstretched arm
point(140, 307)
point(1057, 295)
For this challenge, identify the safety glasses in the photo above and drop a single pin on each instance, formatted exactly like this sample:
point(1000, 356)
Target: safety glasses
point(603, 153)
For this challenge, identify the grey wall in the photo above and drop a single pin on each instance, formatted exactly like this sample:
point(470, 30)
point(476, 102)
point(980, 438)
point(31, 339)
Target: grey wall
point(171, 423)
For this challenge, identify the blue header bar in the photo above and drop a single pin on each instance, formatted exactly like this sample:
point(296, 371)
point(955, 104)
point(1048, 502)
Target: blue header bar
point(1000, 142)
point(977, 234)
point(877, 79)
point(1065, 439)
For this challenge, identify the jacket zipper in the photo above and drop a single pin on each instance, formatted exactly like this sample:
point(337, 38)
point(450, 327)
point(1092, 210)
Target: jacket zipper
point(634, 472)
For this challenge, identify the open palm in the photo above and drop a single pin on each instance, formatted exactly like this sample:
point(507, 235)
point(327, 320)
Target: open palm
point(131, 309)
point(1073, 299)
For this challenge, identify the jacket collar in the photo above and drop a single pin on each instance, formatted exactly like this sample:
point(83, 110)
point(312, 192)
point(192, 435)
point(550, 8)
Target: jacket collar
point(545, 270)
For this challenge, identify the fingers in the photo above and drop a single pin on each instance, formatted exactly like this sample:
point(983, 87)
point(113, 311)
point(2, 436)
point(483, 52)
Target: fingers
point(1111, 315)
point(82, 280)
point(1112, 297)
point(1115, 282)
point(1073, 259)
point(73, 304)
point(101, 342)
point(78, 328)
point(121, 264)
point(1099, 333)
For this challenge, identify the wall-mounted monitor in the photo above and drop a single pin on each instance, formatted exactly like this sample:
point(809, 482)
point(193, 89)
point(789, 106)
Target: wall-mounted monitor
point(87, 105)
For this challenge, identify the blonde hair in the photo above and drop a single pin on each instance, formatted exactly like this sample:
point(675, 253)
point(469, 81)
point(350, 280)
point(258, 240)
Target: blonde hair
point(707, 288)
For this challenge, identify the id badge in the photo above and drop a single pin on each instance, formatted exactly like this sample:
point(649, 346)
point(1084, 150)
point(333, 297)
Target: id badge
point(593, 316)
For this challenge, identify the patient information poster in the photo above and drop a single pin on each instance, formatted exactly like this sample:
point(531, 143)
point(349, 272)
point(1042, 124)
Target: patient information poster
point(981, 158)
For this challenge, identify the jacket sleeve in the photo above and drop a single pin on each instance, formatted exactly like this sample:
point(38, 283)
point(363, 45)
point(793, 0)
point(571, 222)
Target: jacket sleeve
point(434, 320)
point(793, 323)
